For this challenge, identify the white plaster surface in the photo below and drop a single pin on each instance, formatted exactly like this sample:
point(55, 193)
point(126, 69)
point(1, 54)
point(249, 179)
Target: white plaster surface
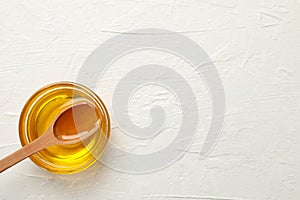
point(255, 46)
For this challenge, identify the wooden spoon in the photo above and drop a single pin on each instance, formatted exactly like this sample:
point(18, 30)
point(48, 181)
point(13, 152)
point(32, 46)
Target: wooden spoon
point(77, 121)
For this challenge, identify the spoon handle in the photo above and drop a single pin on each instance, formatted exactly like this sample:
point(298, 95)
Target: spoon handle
point(37, 145)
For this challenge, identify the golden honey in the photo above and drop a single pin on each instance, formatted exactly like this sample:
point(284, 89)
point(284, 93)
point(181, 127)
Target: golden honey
point(40, 111)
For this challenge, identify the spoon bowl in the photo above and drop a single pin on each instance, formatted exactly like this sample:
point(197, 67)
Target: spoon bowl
point(77, 121)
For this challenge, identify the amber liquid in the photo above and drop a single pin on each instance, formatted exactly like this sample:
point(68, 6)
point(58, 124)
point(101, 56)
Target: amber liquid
point(41, 110)
point(78, 121)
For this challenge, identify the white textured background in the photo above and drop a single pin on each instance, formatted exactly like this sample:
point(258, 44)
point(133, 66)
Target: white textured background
point(255, 46)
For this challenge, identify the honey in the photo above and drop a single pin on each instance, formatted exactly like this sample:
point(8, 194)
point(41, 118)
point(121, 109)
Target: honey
point(77, 122)
point(42, 108)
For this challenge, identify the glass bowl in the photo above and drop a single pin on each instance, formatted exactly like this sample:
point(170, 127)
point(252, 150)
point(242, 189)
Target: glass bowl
point(38, 113)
